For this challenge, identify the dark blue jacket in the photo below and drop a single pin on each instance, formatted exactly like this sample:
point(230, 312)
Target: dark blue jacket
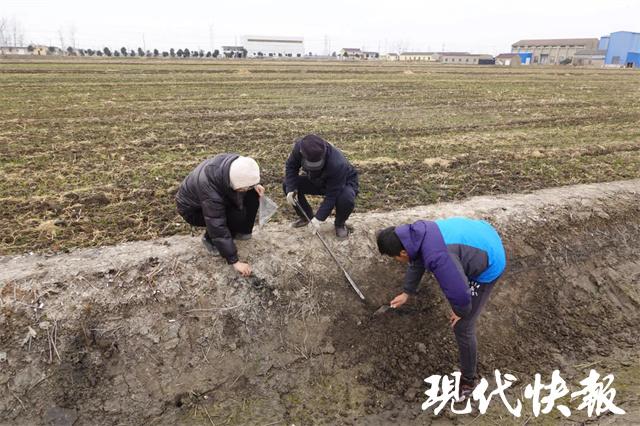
point(334, 176)
point(456, 250)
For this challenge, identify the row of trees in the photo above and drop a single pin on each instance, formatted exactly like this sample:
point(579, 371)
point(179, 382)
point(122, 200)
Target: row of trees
point(11, 32)
point(123, 51)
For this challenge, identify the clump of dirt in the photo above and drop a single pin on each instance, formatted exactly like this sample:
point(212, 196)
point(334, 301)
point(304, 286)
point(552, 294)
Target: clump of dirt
point(161, 332)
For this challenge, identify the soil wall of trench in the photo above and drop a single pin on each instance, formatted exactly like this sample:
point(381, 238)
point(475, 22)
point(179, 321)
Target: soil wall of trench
point(160, 332)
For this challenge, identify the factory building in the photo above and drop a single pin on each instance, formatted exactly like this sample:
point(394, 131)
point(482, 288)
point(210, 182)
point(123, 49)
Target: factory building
point(589, 58)
point(508, 60)
point(420, 56)
point(269, 46)
point(622, 49)
point(464, 58)
point(553, 51)
point(350, 52)
point(14, 50)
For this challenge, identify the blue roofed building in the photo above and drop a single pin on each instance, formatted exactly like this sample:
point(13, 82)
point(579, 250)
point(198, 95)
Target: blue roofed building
point(622, 47)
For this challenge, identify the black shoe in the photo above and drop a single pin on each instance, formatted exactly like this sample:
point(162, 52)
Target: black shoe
point(466, 389)
point(342, 232)
point(208, 244)
point(242, 237)
point(299, 223)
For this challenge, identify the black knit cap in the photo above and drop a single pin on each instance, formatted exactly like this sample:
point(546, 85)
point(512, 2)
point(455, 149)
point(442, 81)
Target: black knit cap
point(313, 149)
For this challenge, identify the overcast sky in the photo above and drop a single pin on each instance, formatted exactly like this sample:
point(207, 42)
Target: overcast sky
point(479, 26)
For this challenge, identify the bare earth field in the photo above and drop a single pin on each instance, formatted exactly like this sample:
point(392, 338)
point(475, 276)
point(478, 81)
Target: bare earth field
point(92, 152)
point(109, 318)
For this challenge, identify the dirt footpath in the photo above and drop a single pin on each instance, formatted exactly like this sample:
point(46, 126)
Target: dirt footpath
point(159, 332)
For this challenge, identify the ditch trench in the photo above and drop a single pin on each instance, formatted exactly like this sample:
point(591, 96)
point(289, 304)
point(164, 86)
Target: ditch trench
point(159, 332)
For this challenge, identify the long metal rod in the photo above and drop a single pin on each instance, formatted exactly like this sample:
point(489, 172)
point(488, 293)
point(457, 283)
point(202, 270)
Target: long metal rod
point(344, 271)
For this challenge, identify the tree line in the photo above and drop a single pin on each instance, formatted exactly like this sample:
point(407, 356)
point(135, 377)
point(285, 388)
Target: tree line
point(140, 52)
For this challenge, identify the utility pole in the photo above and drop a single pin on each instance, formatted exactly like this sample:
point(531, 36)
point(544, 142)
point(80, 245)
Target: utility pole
point(211, 37)
point(327, 45)
point(144, 44)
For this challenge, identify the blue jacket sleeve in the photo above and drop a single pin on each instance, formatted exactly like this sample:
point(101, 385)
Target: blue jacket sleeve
point(292, 168)
point(452, 281)
point(412, 277)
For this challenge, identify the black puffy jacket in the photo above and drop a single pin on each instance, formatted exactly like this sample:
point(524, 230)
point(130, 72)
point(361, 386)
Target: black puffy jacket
point(208, 188)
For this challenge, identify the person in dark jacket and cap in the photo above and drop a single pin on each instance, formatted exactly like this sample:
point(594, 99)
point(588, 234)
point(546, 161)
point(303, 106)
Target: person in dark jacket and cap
point(466, 257)
point(222, 194)
point(326, 172)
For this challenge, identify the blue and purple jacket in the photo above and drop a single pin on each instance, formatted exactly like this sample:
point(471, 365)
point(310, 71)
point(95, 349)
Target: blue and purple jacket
point(456, 250)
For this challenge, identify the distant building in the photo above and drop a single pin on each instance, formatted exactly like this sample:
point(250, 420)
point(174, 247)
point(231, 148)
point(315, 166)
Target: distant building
point(391, 57)
point(350, 52)
point(553, 51)
point(589, 57)
point(622, 49)
point(370, 55)
point(525, 58)
point(14, 50)
point(508, 60)
point(464, 58)
point(420, 56)
point(271, 46)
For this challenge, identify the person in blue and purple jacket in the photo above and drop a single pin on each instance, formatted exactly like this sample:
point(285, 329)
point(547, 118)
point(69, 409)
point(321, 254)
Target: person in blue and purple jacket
point(466, 257)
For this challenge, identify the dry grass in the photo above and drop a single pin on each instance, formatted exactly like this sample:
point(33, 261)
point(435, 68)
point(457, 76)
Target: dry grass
point(92, 152)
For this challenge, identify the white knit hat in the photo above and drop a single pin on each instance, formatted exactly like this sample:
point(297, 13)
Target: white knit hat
point(244, 172)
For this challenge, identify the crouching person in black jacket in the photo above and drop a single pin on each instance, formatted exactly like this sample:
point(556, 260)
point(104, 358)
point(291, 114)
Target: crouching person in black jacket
point(222, 194)
point(326, 172)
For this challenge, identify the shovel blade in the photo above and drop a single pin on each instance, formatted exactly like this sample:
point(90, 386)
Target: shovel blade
point(382, 309)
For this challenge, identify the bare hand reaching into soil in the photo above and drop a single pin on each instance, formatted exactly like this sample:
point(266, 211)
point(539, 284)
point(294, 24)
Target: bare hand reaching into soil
point(453, 319)
point(243, 268)
point(399, 300)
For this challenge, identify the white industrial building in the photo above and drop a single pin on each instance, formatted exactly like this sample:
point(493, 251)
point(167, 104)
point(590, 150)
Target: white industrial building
point(269, 46)
point(14, 50)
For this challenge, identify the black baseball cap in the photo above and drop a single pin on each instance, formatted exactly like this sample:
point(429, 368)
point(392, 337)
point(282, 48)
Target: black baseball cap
point(313, 149)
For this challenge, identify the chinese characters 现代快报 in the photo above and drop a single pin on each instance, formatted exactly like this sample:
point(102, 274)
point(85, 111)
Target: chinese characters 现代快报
point(597, 396)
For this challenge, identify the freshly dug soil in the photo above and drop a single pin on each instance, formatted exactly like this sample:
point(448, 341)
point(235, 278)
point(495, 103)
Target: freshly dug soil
point(159, 332)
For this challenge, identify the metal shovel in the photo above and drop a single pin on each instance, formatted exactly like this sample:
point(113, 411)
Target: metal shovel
point(344, 271)
point(382, 309)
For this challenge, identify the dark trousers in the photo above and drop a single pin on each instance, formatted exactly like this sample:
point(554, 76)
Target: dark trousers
point(345, 202)
point(239, 221)
point(465, 329)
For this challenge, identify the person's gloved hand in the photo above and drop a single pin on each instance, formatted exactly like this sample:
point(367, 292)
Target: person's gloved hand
point(291, 198)
point(314, 225)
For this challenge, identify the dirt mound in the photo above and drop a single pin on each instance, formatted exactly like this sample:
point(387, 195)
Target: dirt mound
point(160, 332)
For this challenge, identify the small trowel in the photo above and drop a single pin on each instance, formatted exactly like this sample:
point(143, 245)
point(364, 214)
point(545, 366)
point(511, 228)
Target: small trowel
point(382, 309)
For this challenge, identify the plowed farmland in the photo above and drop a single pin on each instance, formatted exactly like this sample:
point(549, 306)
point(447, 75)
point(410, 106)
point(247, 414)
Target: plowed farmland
point(92, 152)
